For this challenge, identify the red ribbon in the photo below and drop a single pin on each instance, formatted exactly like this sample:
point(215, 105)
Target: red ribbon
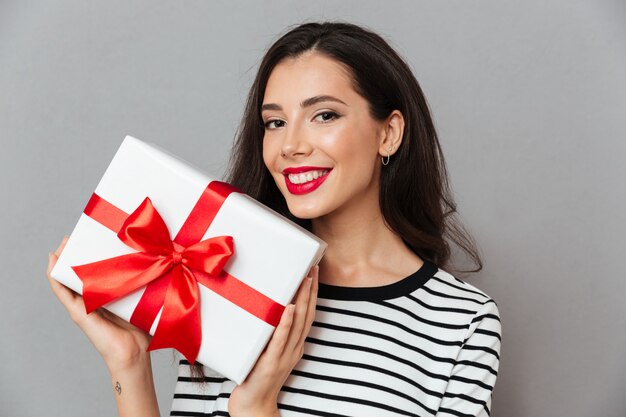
point(170, 269)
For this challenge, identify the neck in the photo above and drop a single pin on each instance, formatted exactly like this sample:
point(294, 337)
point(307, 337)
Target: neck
point(362, 251)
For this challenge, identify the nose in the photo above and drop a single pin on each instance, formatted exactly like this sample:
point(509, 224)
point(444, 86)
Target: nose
point(295, 141)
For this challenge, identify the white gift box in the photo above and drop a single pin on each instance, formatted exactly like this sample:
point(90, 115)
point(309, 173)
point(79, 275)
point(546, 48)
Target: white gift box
point(271, 253)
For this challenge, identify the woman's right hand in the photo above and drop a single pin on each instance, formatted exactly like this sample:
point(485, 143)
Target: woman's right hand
point(258, 394)
point(122, 345)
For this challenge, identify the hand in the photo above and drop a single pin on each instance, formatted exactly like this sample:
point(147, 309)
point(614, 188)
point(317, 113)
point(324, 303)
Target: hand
point(121, 344)
point(258, 394)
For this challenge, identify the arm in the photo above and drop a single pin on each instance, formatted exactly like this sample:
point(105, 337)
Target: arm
point(121, 345)
point(473, 377)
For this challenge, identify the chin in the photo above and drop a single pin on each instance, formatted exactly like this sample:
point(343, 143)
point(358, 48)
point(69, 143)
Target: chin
point(305, 213)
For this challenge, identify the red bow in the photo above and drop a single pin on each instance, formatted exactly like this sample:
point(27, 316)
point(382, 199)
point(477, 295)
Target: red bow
point(165, 263)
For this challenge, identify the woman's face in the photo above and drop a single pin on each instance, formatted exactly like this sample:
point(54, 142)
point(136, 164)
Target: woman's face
point(321, 144)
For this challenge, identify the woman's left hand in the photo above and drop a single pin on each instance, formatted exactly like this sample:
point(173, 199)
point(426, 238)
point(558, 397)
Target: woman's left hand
point(258, 394)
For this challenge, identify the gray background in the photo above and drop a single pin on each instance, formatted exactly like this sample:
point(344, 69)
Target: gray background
point(530, 102)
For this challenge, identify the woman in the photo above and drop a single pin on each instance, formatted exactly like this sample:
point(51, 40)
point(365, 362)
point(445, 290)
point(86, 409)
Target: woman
point(337, 136)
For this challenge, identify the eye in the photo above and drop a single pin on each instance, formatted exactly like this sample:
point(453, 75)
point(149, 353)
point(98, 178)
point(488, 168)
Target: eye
point(277, 124)
point(327, 116)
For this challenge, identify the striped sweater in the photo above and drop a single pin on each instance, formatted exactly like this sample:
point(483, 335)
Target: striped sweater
point(427, 345)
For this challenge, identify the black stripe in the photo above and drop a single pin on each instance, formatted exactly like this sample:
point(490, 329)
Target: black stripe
point(375, 369)
point(468, 399)
point(380, 353)
point(423, 320)
point(485, 316)
point(308, 411)
point(454, 412)
point(446, 309)
point(363, 384)
point(347, 399)
point(400, 288)
point(201, 379)
point(482, 348)
point(391, 323)
point(385, 337)
point(478, 365)
point(453, 297)
point(471, 381)
point(460, 288)
point(489, 333)
point(203, 397)
point(175, 413)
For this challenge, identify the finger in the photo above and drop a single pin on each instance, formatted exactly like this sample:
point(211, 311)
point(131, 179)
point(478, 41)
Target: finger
point(58, 251)
point(302, 301)
point(68, 298)
point(277, 343)
point(53, 257)
point(52, 260)
point(311, 308)
point(310, 313)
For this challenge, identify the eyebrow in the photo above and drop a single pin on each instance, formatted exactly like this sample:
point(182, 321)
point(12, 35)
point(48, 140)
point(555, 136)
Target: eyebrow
point(306, 103)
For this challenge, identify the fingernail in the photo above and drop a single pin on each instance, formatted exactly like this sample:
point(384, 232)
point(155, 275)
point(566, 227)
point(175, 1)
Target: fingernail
point(309, 280)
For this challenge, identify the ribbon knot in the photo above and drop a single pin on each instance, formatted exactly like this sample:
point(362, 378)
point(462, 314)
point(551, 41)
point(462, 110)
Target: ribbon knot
point(144, 230)
point(177, 257)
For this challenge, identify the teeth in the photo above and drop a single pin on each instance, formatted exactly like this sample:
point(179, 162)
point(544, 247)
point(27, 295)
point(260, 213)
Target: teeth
point(306, 177)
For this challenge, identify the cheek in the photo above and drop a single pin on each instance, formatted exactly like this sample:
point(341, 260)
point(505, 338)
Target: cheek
point(351, 147)
point(337, 144)
point(269, 159)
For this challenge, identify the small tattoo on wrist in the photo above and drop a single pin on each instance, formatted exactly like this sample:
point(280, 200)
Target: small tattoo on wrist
point(118, 388)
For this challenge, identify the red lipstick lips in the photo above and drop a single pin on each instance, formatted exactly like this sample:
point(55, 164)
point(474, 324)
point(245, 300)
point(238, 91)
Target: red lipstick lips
point(308, 186)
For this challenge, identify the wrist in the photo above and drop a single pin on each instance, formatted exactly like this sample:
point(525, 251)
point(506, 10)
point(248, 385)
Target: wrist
point(140, 364)
point(133, 389)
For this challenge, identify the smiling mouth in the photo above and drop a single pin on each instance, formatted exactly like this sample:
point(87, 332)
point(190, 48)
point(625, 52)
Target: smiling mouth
point(306, 182)
point(307, 176)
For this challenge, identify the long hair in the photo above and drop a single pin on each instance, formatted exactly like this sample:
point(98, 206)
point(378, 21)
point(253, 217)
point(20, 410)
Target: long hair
point(415, 197)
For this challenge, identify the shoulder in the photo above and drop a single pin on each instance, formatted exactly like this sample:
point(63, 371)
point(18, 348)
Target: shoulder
point(446, 292)
point(450, 289)
point(446, 283)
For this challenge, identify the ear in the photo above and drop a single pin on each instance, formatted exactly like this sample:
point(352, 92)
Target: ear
point(391, 133)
